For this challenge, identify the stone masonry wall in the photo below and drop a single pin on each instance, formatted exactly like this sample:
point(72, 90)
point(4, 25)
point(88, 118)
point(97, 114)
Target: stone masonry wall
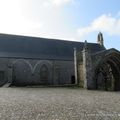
point(27, 71)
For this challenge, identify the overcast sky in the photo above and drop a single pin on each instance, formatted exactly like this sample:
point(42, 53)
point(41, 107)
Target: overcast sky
point(77, 20)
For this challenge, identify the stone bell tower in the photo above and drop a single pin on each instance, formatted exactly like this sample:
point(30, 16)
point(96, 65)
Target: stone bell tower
point(100, 39)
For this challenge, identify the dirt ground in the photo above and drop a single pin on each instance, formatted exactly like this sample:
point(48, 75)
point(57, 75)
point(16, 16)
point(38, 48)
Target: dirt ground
point(58, 104)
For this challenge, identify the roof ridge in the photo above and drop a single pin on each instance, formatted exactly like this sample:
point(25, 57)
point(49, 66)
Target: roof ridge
point(37, 37)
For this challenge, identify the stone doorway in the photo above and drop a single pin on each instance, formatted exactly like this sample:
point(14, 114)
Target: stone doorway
point(108, 75)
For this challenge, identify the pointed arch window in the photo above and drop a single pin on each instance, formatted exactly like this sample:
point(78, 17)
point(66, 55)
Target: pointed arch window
point(44, 72)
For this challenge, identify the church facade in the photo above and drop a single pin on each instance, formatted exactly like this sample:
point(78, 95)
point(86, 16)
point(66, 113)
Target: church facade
point(26, 61)
point(99, 70)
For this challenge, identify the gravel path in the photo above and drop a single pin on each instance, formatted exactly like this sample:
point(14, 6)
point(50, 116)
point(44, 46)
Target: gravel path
point(58, 104)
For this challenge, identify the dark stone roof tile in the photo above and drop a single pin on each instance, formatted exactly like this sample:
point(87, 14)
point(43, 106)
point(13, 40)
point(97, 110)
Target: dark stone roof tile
point(42, 48)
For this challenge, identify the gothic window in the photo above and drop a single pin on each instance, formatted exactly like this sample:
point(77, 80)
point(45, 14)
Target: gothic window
point(44, 72)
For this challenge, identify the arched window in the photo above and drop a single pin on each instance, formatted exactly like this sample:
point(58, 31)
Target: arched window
point(44, 73)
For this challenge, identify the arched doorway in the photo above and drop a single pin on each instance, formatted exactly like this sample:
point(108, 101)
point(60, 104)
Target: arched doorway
point(108, 73)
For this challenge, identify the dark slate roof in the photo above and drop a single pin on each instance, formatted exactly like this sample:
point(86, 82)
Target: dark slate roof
point(42, 48)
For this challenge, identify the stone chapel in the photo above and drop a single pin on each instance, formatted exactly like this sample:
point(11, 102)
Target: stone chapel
point(33, 61)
